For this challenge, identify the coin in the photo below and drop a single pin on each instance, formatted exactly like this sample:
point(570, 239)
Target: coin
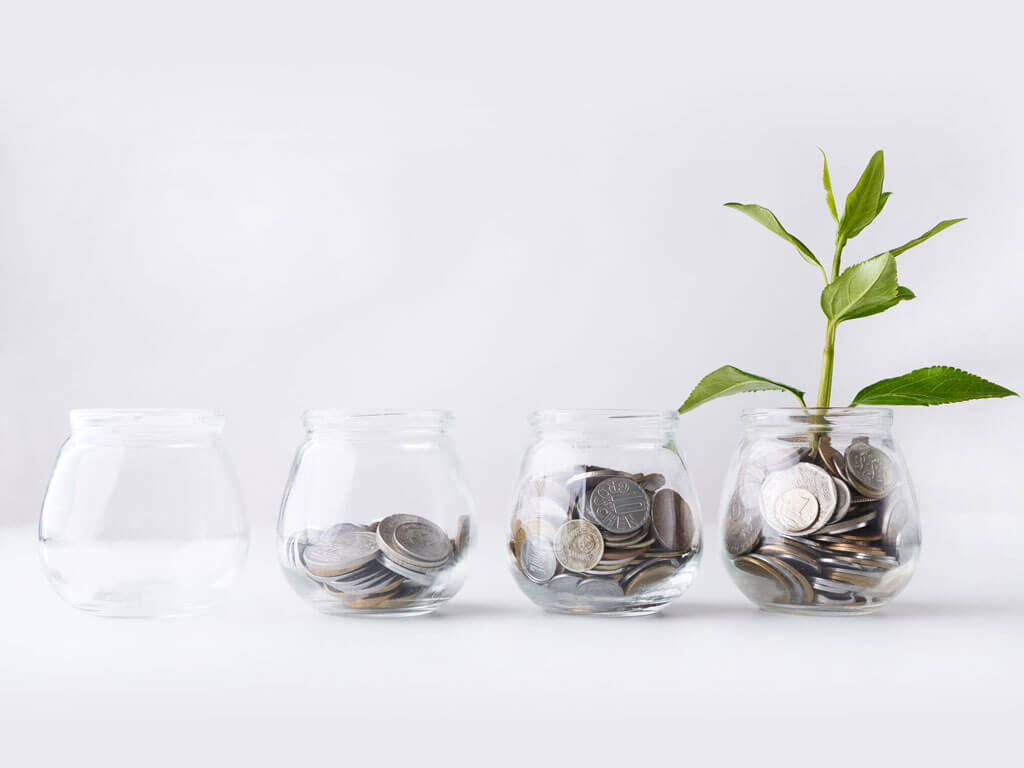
point(651, 483)
point(413, 541)
point(462, 536)
point(618, 505)
point(537, 559)
point(564, 583)
point(578, 545)
point(672, 520)
point(742, 527)
point(649, 577)
point(809, 477)
point(600, 588)
point(870, 470)
point(350, 551)
point(842, 500)
point(844, 526)
point(796, 510)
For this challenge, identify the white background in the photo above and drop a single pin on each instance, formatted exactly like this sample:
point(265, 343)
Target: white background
point(265, 207)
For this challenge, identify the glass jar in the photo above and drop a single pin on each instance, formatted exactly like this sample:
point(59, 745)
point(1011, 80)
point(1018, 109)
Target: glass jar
point(375, 518)
point(819, 514)
point(605, 518)
point(143, 515)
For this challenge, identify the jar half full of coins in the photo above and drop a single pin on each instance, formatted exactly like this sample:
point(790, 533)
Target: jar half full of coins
point(376, 518)
point(605, 518)
point(818, 510)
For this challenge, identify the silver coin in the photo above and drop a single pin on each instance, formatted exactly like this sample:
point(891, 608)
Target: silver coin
point(349, 551)
point(870, 469)
point(796, 510)
point(804, 475)
point(578, 545)
point(652, 482)
point(843, 499)
point(537, 559)
point(742, 527)
point(416, 577)
point(845, 526)
point(414, 540)
point(335, 531)
point(564, 583)
point(895, 525)
point(618, 505)
point(600, 588)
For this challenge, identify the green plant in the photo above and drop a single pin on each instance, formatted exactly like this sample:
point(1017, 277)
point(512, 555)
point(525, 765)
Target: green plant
point(861, 290)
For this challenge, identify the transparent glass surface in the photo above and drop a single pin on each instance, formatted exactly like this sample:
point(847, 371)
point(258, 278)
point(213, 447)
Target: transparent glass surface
point(605, 518)
point(142, 515)
point(818, 510)
point(376, 518)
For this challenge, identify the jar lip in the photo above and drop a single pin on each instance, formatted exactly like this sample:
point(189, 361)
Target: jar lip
point(376, 419)
point(143, 419)
point(859, 414)
point(603, 418)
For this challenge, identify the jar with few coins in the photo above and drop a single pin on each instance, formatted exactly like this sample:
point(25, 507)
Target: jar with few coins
point(819, 513)
point(375, 519)
point(605, 518)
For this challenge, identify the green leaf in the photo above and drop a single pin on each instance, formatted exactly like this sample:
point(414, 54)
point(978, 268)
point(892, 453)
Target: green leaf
point(864, 201)
point(766, 218)
point(930, 233)
point(882, 200)
point(905, 294)
point(827, 181)
point(863, 289)
point(930, 386)
point(729, 380)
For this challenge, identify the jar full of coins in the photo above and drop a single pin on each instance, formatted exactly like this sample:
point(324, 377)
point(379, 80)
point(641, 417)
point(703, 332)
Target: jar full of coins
point(819, 514)
point(376, 517)
point(605, 518)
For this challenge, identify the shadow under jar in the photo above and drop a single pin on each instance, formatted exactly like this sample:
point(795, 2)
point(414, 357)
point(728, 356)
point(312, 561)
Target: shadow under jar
point(142, 515)
point(376, 518)
point(605, 518)
point(819, 512)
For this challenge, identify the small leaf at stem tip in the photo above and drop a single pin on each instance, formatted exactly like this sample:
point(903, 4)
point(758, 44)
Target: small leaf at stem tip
point(863, 202)
point(767, 219)
point(936, 385)
point(905, 294)
point(929, 234)
point(826, 180)
point(882, 200)
point(729, 380)
point(863, 289)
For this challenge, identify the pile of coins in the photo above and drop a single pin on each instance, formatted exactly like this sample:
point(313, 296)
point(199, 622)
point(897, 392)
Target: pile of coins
point(839, 522)
point(601, 533)
point(386, 564)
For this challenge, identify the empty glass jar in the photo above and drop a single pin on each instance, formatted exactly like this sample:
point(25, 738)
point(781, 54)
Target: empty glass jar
point(143, 516)
point(375, 518)
point(605, 518)
point(819, 514)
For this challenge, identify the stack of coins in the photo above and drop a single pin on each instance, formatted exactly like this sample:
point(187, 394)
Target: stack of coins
point(597, 532)
point(386, 564)
point(823, 527)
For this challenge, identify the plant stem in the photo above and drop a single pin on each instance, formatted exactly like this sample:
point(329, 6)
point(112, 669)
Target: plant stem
point(840, 244)
point(827, 359)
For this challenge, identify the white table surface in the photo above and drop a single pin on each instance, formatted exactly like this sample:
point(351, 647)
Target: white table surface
point(490, 679)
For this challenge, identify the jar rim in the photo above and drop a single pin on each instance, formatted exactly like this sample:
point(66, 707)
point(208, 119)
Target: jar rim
point(196, 419)
point(859, 414)
point(603, 418)
point(376, 419)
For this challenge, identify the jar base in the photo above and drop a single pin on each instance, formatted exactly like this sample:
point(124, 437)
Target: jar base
point(643, 609)
point(822, 610)
point(420, 608)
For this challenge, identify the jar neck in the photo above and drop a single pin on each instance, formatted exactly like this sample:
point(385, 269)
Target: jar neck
point(860, 420)
point(376, 424)
point(146, 425)
point(610, 425)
